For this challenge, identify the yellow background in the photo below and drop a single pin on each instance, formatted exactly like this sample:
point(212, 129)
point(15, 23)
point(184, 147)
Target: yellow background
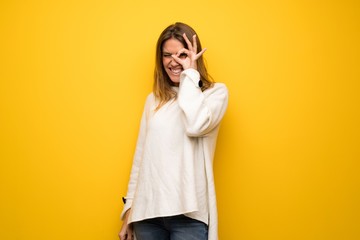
point(74, 76)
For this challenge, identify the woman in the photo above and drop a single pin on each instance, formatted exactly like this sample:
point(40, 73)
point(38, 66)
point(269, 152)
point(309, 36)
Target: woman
point(171, 193)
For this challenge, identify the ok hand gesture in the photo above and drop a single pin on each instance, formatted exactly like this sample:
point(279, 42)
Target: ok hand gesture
point(187, 57)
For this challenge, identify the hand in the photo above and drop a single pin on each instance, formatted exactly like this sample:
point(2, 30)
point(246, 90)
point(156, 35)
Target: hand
point(187, 57)
point(126, 232)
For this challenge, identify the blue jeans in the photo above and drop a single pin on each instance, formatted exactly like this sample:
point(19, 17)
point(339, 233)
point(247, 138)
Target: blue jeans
point(177, 227)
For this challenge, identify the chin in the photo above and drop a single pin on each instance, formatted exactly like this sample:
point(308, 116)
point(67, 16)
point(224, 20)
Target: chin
point(175, 81)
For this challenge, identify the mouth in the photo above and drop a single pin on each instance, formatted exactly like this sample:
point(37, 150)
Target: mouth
point(175, 71)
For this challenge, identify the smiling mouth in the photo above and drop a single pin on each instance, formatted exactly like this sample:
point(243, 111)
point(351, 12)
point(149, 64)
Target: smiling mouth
point(176, 71)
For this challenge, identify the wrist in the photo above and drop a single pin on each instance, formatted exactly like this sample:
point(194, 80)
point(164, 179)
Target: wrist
point(194, 66)
point(193, 75)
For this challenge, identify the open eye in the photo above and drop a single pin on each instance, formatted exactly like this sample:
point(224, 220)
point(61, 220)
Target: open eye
point(183, 55)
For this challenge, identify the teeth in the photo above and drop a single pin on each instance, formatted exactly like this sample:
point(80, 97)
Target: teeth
point(176, 71)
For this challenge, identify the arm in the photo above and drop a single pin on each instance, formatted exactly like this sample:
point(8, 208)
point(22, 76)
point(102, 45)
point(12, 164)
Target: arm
point(137, 159)
point(126, 232)
point(203, 111)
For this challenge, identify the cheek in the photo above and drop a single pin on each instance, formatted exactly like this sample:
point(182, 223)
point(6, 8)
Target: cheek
point(165, 62)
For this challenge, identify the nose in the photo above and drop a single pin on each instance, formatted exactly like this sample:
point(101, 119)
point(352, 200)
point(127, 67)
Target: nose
point(173, 63)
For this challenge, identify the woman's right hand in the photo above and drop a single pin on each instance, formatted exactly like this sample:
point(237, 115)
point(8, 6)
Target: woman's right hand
point(190, 55)
point(126, 232)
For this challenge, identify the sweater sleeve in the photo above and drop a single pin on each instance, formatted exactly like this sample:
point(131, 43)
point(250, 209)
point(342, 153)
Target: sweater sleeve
point(137, 159)
point(203, 111)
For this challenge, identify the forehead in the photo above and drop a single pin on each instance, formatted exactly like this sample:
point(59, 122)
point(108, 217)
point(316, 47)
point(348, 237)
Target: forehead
point(172, 45)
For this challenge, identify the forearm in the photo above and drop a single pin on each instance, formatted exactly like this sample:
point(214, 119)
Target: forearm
point(203, 111)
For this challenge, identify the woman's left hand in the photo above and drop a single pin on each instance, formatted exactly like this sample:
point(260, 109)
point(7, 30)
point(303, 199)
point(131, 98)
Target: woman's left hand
point(187, 57)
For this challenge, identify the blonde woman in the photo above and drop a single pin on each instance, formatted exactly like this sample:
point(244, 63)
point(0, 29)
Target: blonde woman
point(171, 193)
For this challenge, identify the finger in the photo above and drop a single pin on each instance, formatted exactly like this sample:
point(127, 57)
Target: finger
point(130, 234)
point(200, 53)
point(121, 236)
point(188, 42)
point(194, 44)
point(182, 51)
point(177, 59)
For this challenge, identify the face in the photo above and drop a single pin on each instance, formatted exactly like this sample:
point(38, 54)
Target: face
point(172, 68)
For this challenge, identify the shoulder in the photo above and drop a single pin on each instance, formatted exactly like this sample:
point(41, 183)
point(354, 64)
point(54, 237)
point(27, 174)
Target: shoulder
point(220, 86)
point(217, 89)
point(150, 97)
point(150, 102)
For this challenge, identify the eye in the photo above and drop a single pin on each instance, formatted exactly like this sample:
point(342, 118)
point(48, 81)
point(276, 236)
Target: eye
point(183, 55)
point(166, 55)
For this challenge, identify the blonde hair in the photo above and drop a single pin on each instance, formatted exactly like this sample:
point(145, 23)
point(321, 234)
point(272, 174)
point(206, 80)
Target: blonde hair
point(162, 88)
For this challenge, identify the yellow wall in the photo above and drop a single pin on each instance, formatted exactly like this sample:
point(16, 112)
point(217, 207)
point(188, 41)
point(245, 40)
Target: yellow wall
point(74, 76)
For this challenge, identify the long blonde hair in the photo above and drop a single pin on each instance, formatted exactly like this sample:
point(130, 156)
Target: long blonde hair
point(162, 88)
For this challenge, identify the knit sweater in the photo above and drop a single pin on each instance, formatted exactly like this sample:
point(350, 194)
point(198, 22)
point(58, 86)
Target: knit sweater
point(172, 171)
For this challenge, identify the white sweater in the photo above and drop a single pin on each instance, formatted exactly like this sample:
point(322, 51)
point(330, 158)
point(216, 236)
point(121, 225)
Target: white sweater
point(172, 171)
